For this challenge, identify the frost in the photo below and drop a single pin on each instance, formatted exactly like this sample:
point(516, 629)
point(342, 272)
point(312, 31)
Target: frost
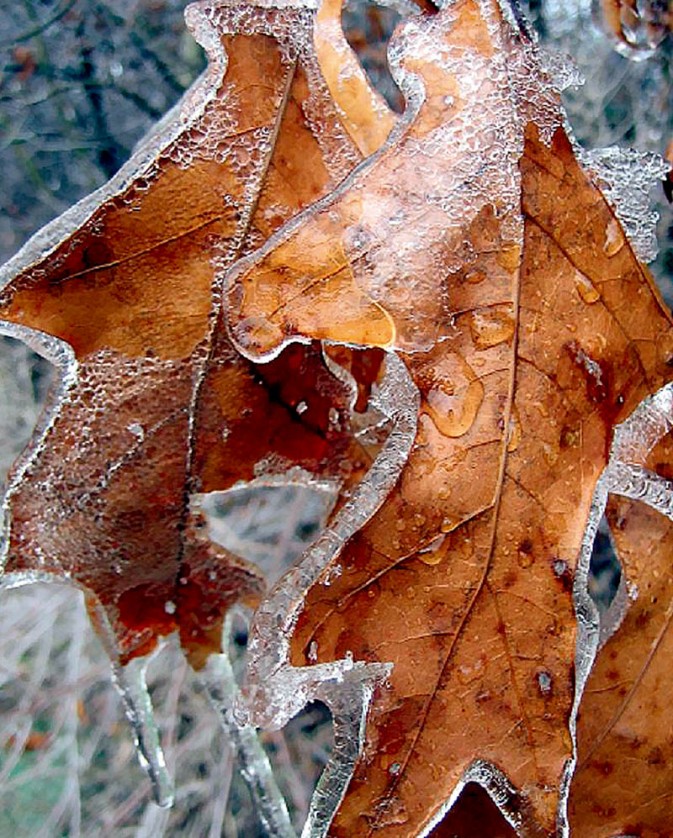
point(497, 786)
point(626, 178)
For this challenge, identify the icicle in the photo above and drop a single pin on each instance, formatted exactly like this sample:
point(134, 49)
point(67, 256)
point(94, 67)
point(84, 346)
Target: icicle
point(130, 681)
point(219, 681)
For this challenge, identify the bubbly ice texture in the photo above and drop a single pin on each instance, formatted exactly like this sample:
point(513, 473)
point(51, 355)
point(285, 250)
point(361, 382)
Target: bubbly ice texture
point(189, 134)
point(626, 177)
point(275, 690)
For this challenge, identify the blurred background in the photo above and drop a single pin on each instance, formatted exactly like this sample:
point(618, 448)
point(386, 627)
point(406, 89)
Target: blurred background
point(81, 81)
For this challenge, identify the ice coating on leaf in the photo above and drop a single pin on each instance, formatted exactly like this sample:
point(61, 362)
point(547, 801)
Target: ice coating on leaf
point(503, 282)
point(147, 383)
point(561, 68)
point(219, 681)
point(154, 402)
point(276, 690)
point(454, 153)
point(364, 112)
point(622, 738)
point(494, 782)
point(626, 178)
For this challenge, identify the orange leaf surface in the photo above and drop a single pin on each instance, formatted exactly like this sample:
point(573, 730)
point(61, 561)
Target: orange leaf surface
point(625, 728)
point(477, 251)
point(154, 404)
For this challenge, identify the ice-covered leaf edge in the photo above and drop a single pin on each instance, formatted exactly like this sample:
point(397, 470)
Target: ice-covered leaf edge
point(620, 192)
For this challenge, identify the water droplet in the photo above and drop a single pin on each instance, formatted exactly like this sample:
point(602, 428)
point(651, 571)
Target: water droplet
point(559, 567)
point(333, 573)
point(614, 238)
point(509, 257)
point(302, 407)
point(525, 555)
point(489, 327)
point(448, 524)
point(586, 289)
point(137, 430)
point(514, 432)
point(474, 277)
point(433, 554)
point(170, 607)
point(453, 406)
point(467, 673)
point(544, 683)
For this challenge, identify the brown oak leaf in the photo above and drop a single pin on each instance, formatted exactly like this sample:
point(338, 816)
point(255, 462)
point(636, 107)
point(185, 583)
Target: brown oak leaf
point(623, 783)
point(154, 404)
point(476, 250)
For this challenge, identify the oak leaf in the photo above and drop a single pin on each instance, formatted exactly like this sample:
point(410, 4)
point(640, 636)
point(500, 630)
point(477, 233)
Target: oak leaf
point(154, 404)
point(622, 785)
point(476, 250)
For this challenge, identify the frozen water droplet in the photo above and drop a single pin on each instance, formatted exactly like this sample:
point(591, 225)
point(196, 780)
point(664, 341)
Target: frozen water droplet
point(333, 573)
point(432, 554)
point(490, 327)
point(302, 407)
point(313, 651)
point(586, 289)
point(467, 673)
point(137, 430)
point(454, 405)
point(130, 681)
point(560, 567)
point(525, 555)
point(170, 607)
point(544, 682)
point(614, 241)
point(514, 433)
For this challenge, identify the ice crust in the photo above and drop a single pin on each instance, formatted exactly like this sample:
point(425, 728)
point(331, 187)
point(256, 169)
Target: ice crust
point(274, 690)
point(626, 177)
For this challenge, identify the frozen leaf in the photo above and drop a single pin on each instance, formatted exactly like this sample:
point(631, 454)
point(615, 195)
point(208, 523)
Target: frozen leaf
point(625, 729)
point(453, 632)
point(154, 404)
